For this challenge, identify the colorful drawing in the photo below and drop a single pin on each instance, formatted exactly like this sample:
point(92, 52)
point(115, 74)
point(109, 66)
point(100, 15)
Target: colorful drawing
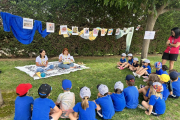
point(27, 23)
point(63, 29)
point(95, 32)
point(86, 31)
point(117, 31)
point(50, 27)
point(110, 32)
point(103, 32)
point(75, 30)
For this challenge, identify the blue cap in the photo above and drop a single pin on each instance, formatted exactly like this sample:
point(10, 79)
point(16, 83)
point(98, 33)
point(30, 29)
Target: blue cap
point(66, 84)
point(130, 77)
point(158, 65)
point(173, 75)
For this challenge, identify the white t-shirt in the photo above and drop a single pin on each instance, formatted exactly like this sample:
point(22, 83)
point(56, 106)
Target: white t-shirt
point(66, 100)
point(66, 57)
point(42, 60)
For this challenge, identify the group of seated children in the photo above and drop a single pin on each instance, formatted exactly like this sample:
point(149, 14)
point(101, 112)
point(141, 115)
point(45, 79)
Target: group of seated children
point(158, 89)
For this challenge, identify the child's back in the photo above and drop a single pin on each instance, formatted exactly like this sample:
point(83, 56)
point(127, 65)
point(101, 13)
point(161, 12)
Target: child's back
point(176, 87)
point(106, 106)
point(88, 114)
point(66, 100)
point(159, 105)
point(41, 108)
point(23, 108)
point(118, 101)
point(23, 103)
point(131, 95)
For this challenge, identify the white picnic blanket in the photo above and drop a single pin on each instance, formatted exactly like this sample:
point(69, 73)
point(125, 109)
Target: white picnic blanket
point(31, 69)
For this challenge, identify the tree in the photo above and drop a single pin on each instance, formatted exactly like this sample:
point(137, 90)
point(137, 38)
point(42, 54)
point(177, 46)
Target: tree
point(1, 99)
point(151, 9)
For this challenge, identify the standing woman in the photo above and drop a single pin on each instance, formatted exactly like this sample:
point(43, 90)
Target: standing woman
point(65, 56)
point(42, 62)
point(172, 50)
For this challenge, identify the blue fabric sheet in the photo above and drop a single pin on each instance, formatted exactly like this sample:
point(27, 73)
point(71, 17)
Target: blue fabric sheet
point(25, 36)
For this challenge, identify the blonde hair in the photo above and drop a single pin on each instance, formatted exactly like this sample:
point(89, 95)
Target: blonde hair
point(156, 93)
point(85, 103)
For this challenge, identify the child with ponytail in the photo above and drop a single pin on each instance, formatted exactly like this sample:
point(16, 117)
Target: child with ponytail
point(86, 108)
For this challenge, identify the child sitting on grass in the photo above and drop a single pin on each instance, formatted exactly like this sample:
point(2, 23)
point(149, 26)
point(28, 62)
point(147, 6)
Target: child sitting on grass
point(135, 65)
point(131, 93)
point(175, 84)
point(118, 97)
point(129, 63)
point(42, 106)
point(156, 105)
point(66, 100)
point(146, 89)
point(105, 108)
point(23, 103)
point(167, 85)
point(85, 109)
point(164, 68)
point(122, 60)
point(145, 70)
point(158, 66)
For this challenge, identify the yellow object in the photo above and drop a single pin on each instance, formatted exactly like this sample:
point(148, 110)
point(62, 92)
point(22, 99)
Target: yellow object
point(91, 37)
point(38, 74)
point(69, 32)
point(164, 77)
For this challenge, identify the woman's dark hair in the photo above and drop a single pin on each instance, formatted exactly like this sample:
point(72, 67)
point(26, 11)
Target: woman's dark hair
point(40, 51)
point(22, 95)
point(176, 31)
point(164, 67)
point(117, 91)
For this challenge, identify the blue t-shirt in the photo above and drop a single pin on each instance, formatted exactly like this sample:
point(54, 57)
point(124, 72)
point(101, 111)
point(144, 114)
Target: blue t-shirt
point(131, 95)
point(148, 70)
point(130, 62)
point(118, 101)
point(159, 105)
point(23, 108)
point(165, 92)
point(123, 60)
point(88, 114)
point(41, 108)
point(165, 72)
point(106, 106)
point(160, 72)
point(176, 87)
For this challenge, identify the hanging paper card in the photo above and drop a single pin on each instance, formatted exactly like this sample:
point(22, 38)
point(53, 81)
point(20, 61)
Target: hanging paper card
point(149, 35)
point(50, 27)
point(125, 30)
point(117, 31)
point(130, 29)
point(95, 32)
point(86, 31)
point(110, 32)
point(103, 32)
point(138, 27)
point(27, 23)
point(75, 30)
point(63, 29)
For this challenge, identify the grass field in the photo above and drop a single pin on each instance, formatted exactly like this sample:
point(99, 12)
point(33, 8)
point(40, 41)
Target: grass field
point(102, 70)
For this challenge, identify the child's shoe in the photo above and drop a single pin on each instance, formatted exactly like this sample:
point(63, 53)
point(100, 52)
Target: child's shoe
point(141, 86)
point(134, 74)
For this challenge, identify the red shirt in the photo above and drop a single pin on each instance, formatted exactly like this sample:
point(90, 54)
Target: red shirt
point(173, 50)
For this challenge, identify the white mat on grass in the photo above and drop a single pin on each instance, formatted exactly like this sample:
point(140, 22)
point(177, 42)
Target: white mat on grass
point(31, 69)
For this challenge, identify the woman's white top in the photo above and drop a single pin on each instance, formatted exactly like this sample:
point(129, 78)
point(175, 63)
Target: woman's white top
point(66, 57)
point(41, 61)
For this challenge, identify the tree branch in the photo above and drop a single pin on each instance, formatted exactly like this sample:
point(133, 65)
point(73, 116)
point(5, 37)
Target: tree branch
point(167, 10)
point(161, 9)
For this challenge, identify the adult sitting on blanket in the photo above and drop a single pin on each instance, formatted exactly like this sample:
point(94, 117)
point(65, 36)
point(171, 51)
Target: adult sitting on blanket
point(66, 61)
point(42, 62)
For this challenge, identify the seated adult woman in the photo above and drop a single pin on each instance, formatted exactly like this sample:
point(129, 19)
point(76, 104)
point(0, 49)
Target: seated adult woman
point(66, 61)
point(42, 62)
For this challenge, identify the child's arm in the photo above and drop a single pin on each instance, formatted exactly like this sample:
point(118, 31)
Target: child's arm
point(150, 110)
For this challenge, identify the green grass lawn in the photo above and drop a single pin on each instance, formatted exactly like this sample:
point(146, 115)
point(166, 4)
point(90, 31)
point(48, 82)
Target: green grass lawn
point(102, 70)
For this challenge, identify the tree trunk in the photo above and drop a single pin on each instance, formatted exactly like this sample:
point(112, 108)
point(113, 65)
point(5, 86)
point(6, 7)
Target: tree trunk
point(1, 99)
point(151, 20)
